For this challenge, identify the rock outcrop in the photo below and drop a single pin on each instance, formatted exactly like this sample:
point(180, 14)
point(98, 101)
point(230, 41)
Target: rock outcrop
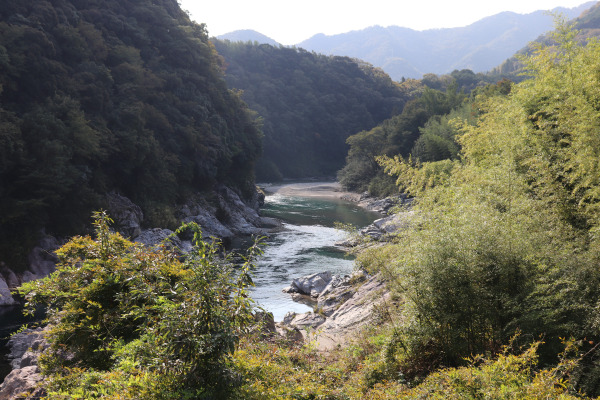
point(128, 216)
point(23, 381)
point(344, 307)
point(340, 289)
point(382, 206)
point(6, 298)
point(383, 228)
point(224, 217)
point(303, 321)
point(352, 315)
point(42, 262)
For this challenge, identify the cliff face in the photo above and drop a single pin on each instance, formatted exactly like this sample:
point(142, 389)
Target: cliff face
point(108, 96)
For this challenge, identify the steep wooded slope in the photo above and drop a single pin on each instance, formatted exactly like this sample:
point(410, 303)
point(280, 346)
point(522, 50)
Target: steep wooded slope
point(106, 95)
point(310, 104)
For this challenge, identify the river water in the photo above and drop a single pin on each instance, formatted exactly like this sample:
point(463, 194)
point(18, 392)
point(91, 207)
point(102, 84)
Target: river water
point(305, 246)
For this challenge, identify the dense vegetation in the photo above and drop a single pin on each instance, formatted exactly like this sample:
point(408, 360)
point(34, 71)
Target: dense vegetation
point(506, 236)
point(422, 131)
point(131, 322)
point(128, 96)
point(309, 104)
point(127, 321)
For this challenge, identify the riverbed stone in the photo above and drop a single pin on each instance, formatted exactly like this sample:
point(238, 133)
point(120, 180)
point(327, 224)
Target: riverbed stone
point(25, 349)
point(6, 298)
point(311, 285)
point(22, 343)
point(303, 321)
point(335, 294)
point(265, 323)
point(289, 333)
point(21, 383)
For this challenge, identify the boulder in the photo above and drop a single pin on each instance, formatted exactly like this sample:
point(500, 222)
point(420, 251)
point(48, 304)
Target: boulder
point(303, 321)
point(265, 323)
point(6, 298)
point(128, 216)
point(311, 285)
point(156, 236)
point(21, 382)
point(383, 228)
point(25, 378)
point(239, 216)
point(289, 333)
point(25, 347)
point(42, 259)
point(334, 295)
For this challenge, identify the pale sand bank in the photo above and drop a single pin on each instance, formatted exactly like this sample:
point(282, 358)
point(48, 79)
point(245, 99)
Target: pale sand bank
point(310, 189)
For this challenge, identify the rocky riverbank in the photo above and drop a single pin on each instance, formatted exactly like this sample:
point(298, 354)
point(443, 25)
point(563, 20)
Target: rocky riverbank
point(225, 216)
point(344, 305)
point(22, 382)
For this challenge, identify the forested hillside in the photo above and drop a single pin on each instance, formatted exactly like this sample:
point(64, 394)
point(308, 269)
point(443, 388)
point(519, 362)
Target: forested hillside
point(116, 95)
point(424, 131)
point(309, 104)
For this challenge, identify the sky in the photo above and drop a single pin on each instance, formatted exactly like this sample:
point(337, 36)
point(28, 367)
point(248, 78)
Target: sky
point(291, 22)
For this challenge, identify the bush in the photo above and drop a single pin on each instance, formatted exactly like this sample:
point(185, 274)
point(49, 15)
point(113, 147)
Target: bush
point(121, 314)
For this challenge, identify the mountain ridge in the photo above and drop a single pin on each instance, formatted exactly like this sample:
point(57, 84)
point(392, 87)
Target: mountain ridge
point(407, 53)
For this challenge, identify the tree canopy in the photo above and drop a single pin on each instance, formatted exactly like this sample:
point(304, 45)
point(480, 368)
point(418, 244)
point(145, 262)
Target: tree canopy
point(505, 239)
point(125, 96)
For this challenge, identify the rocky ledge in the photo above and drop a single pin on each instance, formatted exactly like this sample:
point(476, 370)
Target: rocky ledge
point(343, 307)
point(224, 217)
point(22, 382)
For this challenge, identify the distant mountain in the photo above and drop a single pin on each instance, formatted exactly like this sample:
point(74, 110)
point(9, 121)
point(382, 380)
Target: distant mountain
point(587, 25)
point(403, 52)
point(248, 35)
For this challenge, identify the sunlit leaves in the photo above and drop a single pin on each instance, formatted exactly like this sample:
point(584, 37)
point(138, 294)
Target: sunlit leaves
point(120, 307)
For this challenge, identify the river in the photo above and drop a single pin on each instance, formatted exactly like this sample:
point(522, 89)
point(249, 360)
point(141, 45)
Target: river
point(305, 246)
point(307, 243)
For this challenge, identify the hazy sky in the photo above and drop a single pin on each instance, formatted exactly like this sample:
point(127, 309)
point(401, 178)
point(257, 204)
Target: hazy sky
point(290, 22)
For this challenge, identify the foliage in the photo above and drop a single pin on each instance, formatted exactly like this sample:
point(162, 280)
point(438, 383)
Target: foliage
point(126, 97)
point(125, 317)
point(368, 369)
point(505, 238)
point(423, 129)
point(310, 103)
point(510, 376)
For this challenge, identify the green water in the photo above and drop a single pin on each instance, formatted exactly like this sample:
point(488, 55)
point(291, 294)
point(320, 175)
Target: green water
point(305, 246)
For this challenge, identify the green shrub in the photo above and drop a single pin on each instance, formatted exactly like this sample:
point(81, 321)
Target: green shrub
point(122, 314)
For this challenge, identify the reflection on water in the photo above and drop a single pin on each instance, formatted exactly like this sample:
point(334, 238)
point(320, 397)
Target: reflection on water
point(305, 246)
